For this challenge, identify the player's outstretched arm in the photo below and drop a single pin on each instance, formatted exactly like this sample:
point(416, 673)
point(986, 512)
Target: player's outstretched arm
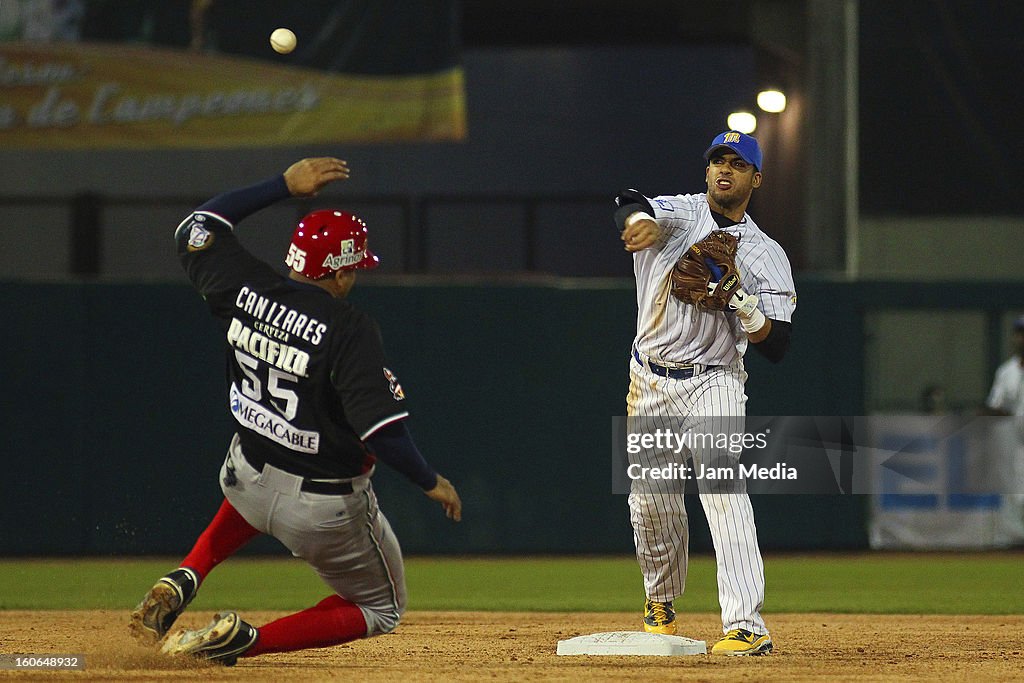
point(302, 179)
point(393, 445)
point(640, 232)
point(307, 177)
point(445, 494)
point(637, 228)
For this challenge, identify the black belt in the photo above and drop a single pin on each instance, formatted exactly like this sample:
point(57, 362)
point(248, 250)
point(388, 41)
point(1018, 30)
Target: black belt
point(329, 488)
point(685, 372)
point(341, 488)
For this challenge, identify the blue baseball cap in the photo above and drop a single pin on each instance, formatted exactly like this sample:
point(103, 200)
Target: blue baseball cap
point(1018, 324)
point(741, 143)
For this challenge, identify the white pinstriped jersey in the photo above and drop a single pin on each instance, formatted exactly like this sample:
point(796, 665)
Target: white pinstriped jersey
point(676, 333)
point(1008, 387)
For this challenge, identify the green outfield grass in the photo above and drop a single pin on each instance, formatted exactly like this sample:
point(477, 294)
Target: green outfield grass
point(988, 583)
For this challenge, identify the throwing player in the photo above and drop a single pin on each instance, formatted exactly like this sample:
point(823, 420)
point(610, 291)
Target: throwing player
point(688, 363)
point(316, 406)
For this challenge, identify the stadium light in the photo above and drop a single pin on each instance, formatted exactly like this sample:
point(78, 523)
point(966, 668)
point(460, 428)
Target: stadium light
point(743, 121)
point(772, 101)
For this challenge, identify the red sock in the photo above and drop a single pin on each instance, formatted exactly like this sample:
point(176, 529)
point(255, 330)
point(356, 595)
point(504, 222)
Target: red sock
point(332, 621)
point(222, 538)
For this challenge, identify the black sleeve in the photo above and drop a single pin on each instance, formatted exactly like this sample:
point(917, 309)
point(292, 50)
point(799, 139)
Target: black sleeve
point(214, 260)
point(393, 444)
point(369, 391)
point(774, 346)
point(216, 263)
point(628, 203)
point(235, 205)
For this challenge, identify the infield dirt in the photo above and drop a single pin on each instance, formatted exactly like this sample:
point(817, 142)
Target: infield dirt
point(474, 646)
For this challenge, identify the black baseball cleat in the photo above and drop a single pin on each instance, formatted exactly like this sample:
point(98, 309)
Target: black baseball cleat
point(161, 606)
point(224, 640)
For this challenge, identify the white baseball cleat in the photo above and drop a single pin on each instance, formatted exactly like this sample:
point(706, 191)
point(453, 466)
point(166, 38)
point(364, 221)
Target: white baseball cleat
point(153, 617)
point(224, 640)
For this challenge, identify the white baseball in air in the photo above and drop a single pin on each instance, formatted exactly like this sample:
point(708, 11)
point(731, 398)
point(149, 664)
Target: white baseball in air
point(282, 40)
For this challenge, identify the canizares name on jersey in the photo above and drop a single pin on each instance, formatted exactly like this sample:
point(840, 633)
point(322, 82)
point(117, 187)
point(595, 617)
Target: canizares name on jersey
point(279, 316)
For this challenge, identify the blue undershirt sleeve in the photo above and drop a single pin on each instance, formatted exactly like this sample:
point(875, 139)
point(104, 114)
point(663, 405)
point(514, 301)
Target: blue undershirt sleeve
point(234, 205)
point(393, 445)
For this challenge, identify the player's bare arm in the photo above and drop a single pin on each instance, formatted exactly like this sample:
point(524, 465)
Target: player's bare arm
point(760, 334)
point(445, 494)
point(307, 177)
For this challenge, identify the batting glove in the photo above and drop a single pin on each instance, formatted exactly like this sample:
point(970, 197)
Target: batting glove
point(746, 308)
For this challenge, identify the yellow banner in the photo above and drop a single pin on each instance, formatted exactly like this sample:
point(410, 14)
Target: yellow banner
point(88, 96)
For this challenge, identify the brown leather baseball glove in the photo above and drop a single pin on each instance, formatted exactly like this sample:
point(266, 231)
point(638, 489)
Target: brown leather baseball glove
point(706, 274)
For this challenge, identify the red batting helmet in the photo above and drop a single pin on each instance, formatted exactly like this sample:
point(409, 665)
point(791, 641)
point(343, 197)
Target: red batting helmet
point(326, 241)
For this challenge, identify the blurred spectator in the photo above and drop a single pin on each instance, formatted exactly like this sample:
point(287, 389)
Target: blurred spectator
point(41, 21)
point(1007, 394)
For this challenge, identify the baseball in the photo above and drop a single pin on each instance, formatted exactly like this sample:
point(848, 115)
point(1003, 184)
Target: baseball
point(282, 40)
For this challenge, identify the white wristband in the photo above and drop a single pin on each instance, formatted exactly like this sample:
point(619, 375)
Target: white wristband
point(754, 322)
point(638, 216)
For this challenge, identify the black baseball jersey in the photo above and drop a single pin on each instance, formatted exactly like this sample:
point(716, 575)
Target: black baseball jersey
point(307, 378)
